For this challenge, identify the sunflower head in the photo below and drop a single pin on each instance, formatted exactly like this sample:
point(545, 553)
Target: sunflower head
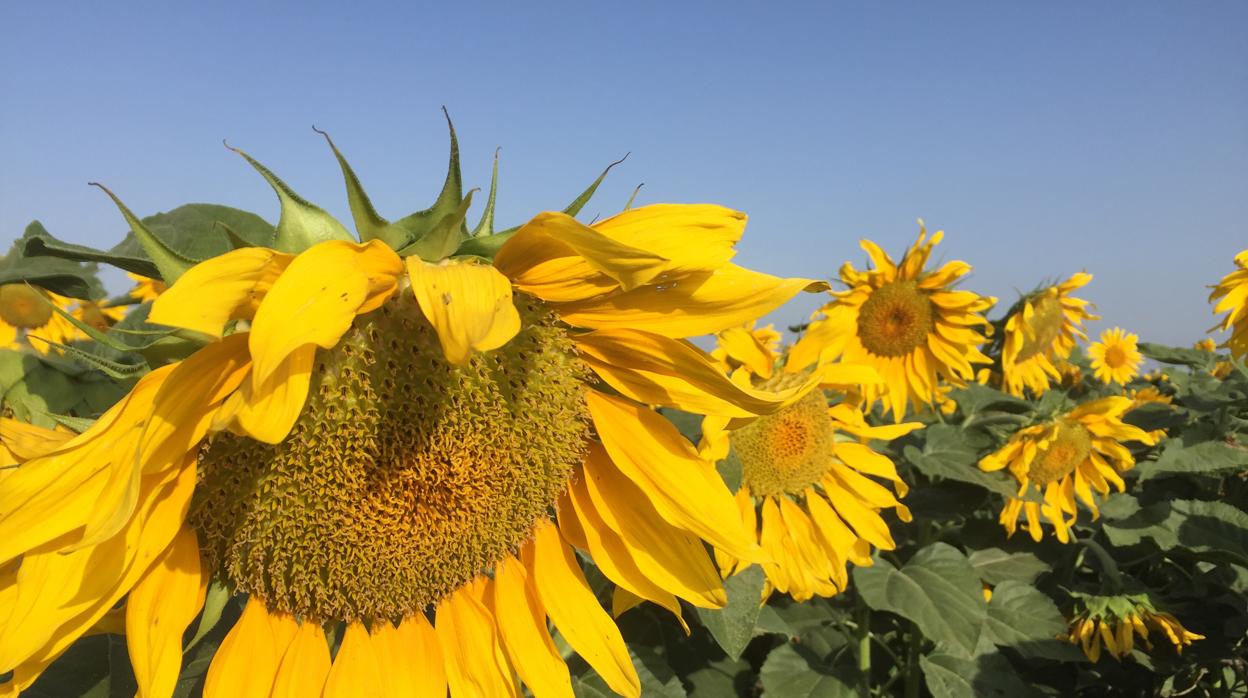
point(1116, 358)
point(1116, 622)
point(907, 322)
point(1040, 332)
point(1069, 456)
point(24, 307)
point(1230, 296)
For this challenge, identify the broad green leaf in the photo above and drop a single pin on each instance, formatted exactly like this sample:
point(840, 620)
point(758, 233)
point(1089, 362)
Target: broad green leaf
point(1019, 614)
point(952, 453)
point(302, 224)
point(976, 398)
point(1195, 452)
point(1196, 358)
point(657, 679)
point(170, 264)
point(62, 276)
point(1212, 530)
point(791, 672)
point(733, 625)
point(33, 390)
point(938, 589)
point(985, 676)
point(994, 566)
point(82, 671)
point(721, 677)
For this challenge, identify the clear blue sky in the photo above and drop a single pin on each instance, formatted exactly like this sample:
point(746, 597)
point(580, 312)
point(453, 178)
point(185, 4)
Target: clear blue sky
point(1044, 138)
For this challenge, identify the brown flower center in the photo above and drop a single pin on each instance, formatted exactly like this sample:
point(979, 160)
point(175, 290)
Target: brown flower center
point(787, 451)
point(896, 319)
point(1068, 449)
point(24, 307)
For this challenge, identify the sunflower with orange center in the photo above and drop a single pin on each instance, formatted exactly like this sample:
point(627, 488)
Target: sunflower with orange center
point(1116, 358)
point(1077, 454)
point(910, 324)
point(403, 450)
point(1040, 332)
point(809, 487)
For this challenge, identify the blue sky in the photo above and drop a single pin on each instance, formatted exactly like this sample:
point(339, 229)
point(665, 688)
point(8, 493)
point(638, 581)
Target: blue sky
point(1044, 138)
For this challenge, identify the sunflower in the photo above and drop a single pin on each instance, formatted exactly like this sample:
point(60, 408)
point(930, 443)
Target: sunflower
point(805, 491)
point(1068, 456)
point(907, 323)
point(405, 451)
point(1115, 621)
point(749, 347)
point(1231, 295)
point(1040, 332)
point(1115, 359)
point(145, 289)
point(27, 311)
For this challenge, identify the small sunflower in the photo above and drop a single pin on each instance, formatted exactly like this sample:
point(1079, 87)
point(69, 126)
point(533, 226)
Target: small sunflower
point(1115, 359)
point(805, 491)
point(1115, 621)
point(404, 451)
point(1067, 457)
point(1231, 295)
point(1040, 332)
point(749, 347)
point(27, 312)
point(909, 324)
point(1208, 344)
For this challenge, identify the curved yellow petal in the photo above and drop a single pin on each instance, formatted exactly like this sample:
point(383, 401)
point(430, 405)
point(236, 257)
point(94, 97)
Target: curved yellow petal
point(317, 298)
point(685, 489)
point(557, 258)
point(692, 237)
point(416, 650)
point(25, 441)
point(218, 290)
point(470, 305)
point(269, 414)
point(521, 622)
point(570, 603)
point(659, 370)
point(691, 305)
point(469, 640)
point(246, 662)
point(305, 664)
point(355, 673)
point(745, 347)
point(159, 609)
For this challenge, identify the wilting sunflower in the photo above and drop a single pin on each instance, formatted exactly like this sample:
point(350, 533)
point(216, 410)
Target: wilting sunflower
point(404, 450)
point(1067, 457)
point(1040, 332)
point(805, 491)
point(910, 324)
point(1231, 295)
point(1115, 359)
point(1115, 621)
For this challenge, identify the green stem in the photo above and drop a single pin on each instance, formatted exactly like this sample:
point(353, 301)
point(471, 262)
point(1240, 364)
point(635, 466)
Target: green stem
point(1107, 564)
point(864, 649)
point(913, 674)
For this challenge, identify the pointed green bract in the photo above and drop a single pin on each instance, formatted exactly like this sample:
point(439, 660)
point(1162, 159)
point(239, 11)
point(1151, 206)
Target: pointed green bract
point(169, 263)
point(443, 238)
point(429, 222)
point(486, 226)
point(579, 202)
point(633, 198)
point(302, 224)
point(369, 224)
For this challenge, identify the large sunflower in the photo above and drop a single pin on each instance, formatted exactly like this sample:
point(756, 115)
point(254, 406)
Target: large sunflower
point(906, 322)
point(1116, 358)
point(405, 451)
point(1064, 458)
point(805, 491)
point(1041, 331)
point(1231, 295)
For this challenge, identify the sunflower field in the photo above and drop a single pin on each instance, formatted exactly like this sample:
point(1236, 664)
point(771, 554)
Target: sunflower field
point(435, 455)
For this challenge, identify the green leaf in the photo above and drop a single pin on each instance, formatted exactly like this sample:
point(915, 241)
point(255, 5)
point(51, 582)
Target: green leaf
point(994, 566)
point(33, 390)
point(579, 202)
point(938, 589)
point(1195, 452)
point(113, 369)
point(1196, 358)
point(61, 276)
point(952, 453)
point(1019, 614)
point(486, 225)
point(657, 679)
point(170, 264)
point(976, 398)
point(302, 224)
point(733, 625)
point(791, 672)
point(1212, 530)
point(78, 672)
point(987, 675)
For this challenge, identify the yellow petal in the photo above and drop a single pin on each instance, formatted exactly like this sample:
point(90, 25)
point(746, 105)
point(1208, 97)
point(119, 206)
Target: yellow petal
point(570, 603)
point(521, 622)
point(415, 648)
point(305, 664)
point(693, 237)
point(470, 305)
point(557, 258)
point(269, 414)
point(355, 673)
point(26, 441)
point(745, 347)
point(218, 290)
point(685, 489)
point(246, 662)
point(658, 370)
point(691, 305)
point(469, 641)
point(159, 609)
point(317, 298)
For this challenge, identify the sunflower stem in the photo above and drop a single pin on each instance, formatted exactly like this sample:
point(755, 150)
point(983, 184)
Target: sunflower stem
point(914, 641)
point(864, 649)
point(1109, 567)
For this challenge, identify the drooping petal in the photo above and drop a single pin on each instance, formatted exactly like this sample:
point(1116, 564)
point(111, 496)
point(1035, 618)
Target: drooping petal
point(159, 609)
point(416, 648)
point(304, 666)
point(570, 603)
point(355, 673)
point(692, 237)
point(246, 662)
point(317, 298)
point(268, 414)
point(470, 305)
point(690, 305)
point(469, 640)
point(218, 290)
point(685, 489)
point(521, 622)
